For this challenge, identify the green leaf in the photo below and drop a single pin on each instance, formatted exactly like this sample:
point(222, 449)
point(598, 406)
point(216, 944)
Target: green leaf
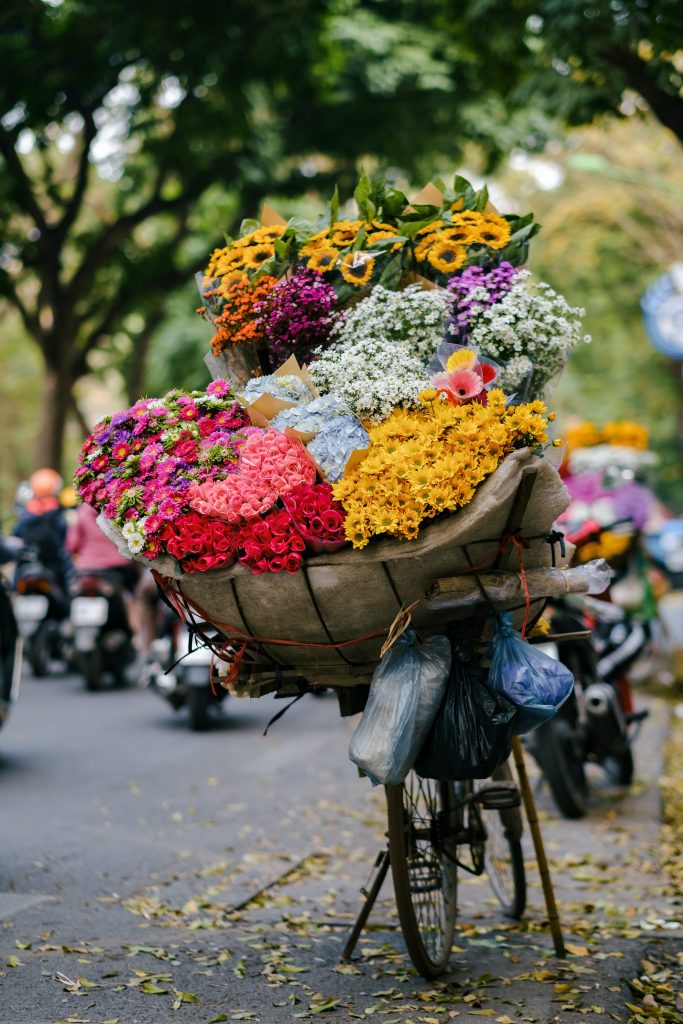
point(186, 997)
point(394, 203)
point(248, 225)
point(362, 193)
point(219, 1019)
point(334, 205)
point(392, 272)
point(151, 989)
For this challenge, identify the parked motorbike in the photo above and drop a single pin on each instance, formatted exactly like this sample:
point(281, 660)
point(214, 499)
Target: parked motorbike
point(665, 548)
point(180, 671)
point(41, 609)
point(10, 646)
point(102, 638)
point(598, 724)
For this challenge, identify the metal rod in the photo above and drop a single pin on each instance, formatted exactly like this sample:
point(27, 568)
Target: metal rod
point(371, 894)
point(535, 829)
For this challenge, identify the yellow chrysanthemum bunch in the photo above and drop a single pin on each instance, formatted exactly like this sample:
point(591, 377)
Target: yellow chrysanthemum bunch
point(245, 254)
point(431, 460)
point(623, 433)
point(609, 546)
point(626, 434)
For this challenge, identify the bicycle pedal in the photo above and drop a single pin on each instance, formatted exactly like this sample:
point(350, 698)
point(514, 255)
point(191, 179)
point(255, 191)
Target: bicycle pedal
point(498, 796)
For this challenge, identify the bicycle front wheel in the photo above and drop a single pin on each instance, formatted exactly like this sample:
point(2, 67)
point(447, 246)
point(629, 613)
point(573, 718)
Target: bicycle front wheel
point(502, 849)
point(421, 818)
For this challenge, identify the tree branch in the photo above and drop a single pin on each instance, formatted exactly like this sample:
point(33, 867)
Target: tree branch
point(110, 239)
point(15, 170)
point(666, 107)
point(30, 321)
point(74, 203)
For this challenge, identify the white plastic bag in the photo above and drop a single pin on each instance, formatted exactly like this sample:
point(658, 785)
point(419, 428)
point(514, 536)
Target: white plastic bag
point(405, 694)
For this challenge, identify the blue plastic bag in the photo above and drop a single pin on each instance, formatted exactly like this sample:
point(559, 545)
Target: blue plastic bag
point(537, 684)
point(406, 691)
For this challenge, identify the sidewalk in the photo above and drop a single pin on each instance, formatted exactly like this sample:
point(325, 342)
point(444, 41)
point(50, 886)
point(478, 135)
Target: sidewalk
point(257, 936)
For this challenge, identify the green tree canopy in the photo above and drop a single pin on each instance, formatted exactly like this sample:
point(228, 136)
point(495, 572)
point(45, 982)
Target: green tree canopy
point(131, 133)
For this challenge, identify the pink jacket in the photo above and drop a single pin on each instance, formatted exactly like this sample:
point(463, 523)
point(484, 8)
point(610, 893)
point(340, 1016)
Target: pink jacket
point(88, 545)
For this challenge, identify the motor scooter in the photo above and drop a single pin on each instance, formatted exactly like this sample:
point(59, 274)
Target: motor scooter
point(598, 723)
point(180, 670)
point(102, 637)
point(41, 609)
point(10, 644)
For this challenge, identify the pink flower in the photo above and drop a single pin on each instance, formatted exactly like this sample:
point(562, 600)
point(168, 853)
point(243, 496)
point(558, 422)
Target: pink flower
point(459, 386)
point(153, 523)
point(168, 509)
point(220, 388)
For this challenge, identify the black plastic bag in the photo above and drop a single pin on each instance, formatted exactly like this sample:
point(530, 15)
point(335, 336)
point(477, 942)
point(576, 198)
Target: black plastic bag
point(472, 732)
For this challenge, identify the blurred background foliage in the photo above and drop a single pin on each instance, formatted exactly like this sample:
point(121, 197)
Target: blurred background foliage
point(133, 135)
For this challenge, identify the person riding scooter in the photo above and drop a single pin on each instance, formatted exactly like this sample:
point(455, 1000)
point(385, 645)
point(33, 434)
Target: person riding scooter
point(102, 589)
point(42, 526)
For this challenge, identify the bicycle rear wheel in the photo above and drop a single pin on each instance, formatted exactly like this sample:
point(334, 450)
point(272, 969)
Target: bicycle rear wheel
point(421, 817)
point(502, 849)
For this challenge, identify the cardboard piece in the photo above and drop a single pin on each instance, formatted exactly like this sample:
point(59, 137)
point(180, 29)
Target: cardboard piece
point(355, 458)
point(301, 435)
point(266, 407)
point(270, 217)
point(430, 195)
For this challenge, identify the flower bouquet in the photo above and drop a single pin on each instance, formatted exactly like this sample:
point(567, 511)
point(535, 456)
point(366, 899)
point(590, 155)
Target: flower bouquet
point(378, 393)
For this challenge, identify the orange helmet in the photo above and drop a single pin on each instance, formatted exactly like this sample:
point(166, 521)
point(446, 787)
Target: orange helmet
point(45, 483)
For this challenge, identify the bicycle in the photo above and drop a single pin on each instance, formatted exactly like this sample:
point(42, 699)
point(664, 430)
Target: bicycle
point(430, 825)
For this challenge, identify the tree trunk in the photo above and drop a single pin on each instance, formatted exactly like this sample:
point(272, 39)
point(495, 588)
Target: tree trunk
point(56, 398)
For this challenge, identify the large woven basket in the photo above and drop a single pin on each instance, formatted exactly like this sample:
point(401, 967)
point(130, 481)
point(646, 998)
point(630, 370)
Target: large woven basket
point(354, 594)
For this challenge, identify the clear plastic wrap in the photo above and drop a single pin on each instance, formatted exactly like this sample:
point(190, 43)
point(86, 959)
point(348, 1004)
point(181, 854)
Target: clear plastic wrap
point(537, 684)
point(406, 691)
point(473, 729)
point(505, 587)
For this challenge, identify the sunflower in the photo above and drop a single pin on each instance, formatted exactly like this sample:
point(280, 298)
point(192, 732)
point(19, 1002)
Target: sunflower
point(256, 255)
point(422, 249)
point(323, 259)
point(461, 230)
point(472, 215)
point(429, 229)
point(494, 232)
point(344, 232)
point(357, 268)
point(315, 242)
point(230, 279)
point(447, 256)
point(269, 233)
point(378, 236)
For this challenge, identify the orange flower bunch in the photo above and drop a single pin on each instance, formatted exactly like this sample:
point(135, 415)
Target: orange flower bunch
point(239, 323)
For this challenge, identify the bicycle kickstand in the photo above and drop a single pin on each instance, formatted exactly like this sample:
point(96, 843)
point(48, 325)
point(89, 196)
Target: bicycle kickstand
point(371, 892)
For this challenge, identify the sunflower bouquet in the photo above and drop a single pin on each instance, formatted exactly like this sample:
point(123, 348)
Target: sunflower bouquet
point(280, 288)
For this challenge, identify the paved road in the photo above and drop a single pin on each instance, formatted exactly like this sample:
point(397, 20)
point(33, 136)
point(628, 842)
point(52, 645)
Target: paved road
point(144, 867)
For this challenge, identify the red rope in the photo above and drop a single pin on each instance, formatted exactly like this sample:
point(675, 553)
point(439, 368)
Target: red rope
point(233, 650)
point(518, 544)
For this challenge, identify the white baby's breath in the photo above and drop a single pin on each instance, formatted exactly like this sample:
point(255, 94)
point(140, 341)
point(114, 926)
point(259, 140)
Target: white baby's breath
point(530, 327)
point(378, 360)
